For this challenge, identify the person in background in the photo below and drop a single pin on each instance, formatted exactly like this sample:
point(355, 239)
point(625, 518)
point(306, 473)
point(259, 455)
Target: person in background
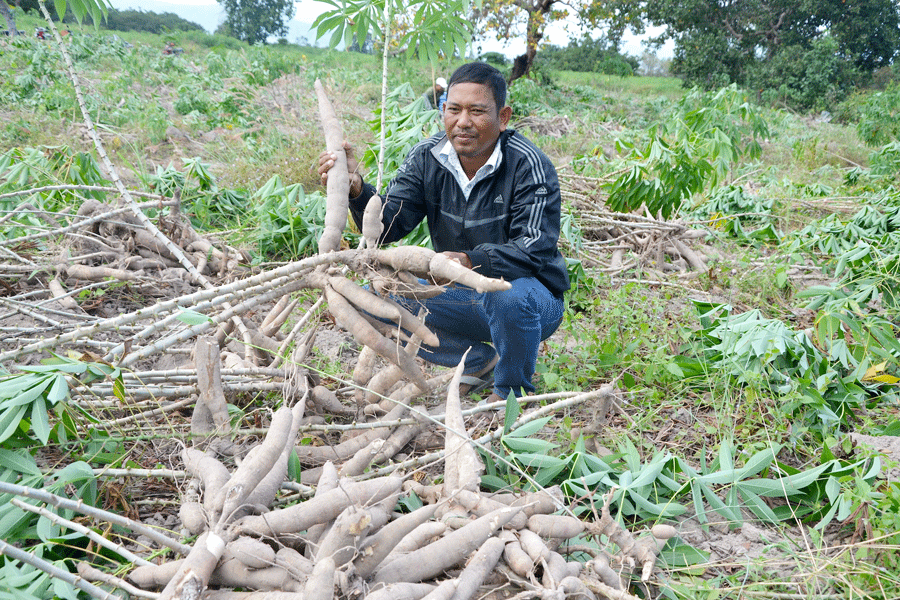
point(433, 94)
point(492, 202)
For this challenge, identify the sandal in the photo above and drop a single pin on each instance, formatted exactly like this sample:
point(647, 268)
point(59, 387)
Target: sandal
point(478, 382)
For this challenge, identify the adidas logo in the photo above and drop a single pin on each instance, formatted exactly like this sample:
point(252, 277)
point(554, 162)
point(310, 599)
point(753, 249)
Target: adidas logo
point(498, 199)
point(541, 190)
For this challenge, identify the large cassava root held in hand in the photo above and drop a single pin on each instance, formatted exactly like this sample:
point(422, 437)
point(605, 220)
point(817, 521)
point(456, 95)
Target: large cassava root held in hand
point(338, 186)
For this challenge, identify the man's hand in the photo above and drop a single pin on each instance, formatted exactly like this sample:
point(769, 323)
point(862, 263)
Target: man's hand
point(326, 161)
point(460, 257)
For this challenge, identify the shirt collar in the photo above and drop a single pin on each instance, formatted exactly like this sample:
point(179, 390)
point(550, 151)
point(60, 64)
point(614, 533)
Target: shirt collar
point(448, 157)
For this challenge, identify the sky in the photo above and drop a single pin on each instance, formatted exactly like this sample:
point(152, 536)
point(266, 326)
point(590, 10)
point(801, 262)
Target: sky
point(557, 33)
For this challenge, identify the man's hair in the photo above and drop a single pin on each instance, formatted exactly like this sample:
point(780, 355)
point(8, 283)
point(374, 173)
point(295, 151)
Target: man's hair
point(485, 74)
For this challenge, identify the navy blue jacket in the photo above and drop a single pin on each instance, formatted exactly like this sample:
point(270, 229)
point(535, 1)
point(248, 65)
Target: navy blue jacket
point(509, 226)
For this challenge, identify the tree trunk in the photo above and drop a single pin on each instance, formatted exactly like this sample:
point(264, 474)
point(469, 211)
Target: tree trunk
point(535, 33)
point(10, 19)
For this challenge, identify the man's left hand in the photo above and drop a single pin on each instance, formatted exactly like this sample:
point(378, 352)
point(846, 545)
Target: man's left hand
point(460, 257)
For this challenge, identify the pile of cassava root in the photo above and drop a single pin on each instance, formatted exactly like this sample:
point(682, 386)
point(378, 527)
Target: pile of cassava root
point(347, 540)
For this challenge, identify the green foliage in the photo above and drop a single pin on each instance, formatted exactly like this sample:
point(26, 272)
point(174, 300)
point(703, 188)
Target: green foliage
point(39, 535)
point(25, 168)
point(588, 55)
point(805, 54)
point(813, 78)
point(693, 149)
point(654, 490)
point(430, 29)
point(878, 116)
point(732, 210)
point(27, 399)
point(407, 121)
point(253, 21)
point(141, 20)
point(290, 221)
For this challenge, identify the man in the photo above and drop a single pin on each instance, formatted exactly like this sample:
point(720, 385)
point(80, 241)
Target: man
point(433, 94)
point(492, 202)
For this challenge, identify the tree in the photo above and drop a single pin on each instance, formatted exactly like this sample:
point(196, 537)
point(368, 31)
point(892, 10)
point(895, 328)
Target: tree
point(722, 41)
point(253, 21)
point(509, 17)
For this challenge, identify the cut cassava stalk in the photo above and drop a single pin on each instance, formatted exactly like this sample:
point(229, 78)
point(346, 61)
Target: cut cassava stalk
point(211, 412)
point(446, 552)
point(366, 335)
point(338, 185)
point(86, 509)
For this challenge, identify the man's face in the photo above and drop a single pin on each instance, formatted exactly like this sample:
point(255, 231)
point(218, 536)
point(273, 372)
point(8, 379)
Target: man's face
point(473, 122)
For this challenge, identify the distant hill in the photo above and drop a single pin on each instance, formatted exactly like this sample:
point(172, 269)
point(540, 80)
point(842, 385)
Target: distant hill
point(209, 16)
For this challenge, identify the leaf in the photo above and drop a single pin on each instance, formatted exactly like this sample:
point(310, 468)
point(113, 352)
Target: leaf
point(40, 422)
point(20, 462)
point(516, 444)
point(191, 317)
point(512, 412)
point(59, 391)
point(529, 428)
point(540, 461)
point(9, 421)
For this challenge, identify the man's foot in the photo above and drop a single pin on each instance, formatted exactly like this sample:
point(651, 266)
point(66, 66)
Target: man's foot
point(480, 381)
point(494, 398)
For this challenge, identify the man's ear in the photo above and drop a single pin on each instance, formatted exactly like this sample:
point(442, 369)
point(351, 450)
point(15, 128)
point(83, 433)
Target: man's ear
point(505, 116)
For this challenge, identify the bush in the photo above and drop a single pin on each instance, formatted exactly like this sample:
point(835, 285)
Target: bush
point(494, 58)
point(589, 56)
point(139, 20)
point(808, 79)
point(878, 117)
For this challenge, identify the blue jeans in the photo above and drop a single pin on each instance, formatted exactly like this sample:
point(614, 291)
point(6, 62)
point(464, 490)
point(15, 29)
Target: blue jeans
point(514, 321)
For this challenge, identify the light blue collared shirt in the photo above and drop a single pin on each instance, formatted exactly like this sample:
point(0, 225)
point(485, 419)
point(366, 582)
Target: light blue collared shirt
point(448, 157)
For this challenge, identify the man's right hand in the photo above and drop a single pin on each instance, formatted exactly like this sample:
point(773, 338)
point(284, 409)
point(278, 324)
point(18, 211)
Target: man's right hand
point(326, 161)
